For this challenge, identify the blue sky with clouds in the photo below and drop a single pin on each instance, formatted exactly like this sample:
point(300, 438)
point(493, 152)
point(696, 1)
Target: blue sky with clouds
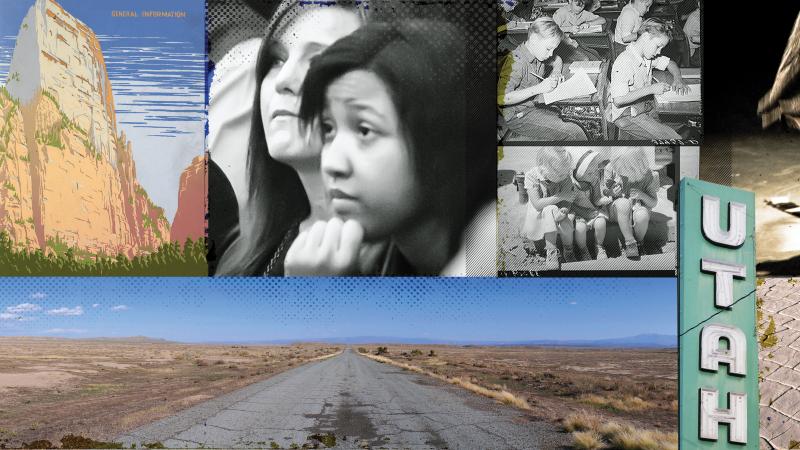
point(239, 309)
point(157, 72)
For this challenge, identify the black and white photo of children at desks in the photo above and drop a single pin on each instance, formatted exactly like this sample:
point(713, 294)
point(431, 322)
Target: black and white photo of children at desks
point(528, 73)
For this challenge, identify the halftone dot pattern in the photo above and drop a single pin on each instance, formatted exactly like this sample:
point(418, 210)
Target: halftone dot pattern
point(295, 299)
point(716, 159)
point(229, 22)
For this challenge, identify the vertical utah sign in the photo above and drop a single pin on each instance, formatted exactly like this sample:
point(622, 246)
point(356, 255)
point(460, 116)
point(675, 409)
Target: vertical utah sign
point(717, 324)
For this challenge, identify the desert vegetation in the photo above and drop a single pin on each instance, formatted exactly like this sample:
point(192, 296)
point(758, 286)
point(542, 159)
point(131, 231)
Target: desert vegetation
point(169, 259)
point(72, 393)
point(632, 391)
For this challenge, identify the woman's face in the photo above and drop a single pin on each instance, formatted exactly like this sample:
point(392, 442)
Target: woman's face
point(305, 37)
point(366, 165)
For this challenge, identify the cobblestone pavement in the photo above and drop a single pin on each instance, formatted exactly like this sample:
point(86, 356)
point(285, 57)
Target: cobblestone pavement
point(779, 363)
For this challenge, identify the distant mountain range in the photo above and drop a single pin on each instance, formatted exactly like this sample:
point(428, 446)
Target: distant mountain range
point(638, 341)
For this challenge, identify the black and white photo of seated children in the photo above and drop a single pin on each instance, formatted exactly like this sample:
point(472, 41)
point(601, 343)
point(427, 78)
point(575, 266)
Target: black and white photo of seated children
point(602, 70)
point(333, 80)
point(589, 210)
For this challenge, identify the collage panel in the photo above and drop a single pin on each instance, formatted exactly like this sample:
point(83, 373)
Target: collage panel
point(101, 157)
point(316, 145)
point(590, 211)
point(599, 70)
point(752, 144)
point(350, 138)
point(313, 363)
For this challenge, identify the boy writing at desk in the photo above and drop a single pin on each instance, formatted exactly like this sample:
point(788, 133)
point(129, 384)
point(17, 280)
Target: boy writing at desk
point(574, 18)
point(522, 78)
point(631, 104)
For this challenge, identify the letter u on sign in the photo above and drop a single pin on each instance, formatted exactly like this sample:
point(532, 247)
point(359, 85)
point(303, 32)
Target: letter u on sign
point(737, 222)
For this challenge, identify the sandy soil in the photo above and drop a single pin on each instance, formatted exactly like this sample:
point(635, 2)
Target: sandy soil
point(50, 388)
point(556, 380)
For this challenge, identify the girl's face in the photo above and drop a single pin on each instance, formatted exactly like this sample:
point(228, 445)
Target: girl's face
point(305, 37)
point(542, 48)
point(366, 165)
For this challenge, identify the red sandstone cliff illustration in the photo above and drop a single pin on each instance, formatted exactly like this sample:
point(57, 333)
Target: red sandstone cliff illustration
point(190, 220)
point(67, 176)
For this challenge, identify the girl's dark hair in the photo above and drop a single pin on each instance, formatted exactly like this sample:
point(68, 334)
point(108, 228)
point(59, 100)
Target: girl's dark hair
point(276, 199)
point(422, 62)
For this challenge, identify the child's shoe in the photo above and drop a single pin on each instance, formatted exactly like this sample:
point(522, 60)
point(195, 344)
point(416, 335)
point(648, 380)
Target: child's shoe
point(601, 253)
point(632, 249)
point(569, 253)
point(551, 262)
point(583, 254)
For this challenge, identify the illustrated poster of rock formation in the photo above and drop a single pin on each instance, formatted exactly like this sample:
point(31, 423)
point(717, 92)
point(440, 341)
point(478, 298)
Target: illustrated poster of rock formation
point(101, 137)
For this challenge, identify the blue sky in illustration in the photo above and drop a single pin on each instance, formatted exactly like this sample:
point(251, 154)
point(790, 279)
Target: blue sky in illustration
point(257, 309)
point(157, 72)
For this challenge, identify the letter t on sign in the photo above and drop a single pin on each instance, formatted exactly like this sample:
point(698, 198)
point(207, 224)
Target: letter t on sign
point(723, 279)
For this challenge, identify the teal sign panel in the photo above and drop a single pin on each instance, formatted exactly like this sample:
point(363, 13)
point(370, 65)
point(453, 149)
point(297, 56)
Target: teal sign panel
point(718, 357)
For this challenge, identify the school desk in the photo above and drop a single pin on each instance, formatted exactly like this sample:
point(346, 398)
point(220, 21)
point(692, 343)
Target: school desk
point(682, 116)
point(602, 40)
point(549, 6)
point(515, 34)
point(586, 111)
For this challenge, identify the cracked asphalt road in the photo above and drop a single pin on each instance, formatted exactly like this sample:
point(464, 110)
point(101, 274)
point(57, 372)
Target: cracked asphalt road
point(363, 403)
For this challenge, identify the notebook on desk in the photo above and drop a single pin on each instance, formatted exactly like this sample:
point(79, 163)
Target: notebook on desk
point(690, 73)
point(585, 66)
point(579, 85)
point(518, 25)
point(592, 29)
point(671, 96)
point(550, 3)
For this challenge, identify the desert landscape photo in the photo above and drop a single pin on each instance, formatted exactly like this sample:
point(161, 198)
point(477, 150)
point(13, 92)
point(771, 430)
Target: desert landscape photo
point(419, 363)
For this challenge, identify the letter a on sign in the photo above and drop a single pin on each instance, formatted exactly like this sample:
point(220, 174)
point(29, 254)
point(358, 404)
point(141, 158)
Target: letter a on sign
point(711, 355)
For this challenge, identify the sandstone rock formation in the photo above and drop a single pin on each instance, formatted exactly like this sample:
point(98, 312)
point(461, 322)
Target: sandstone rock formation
point(190, 220)
point(67, 177)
